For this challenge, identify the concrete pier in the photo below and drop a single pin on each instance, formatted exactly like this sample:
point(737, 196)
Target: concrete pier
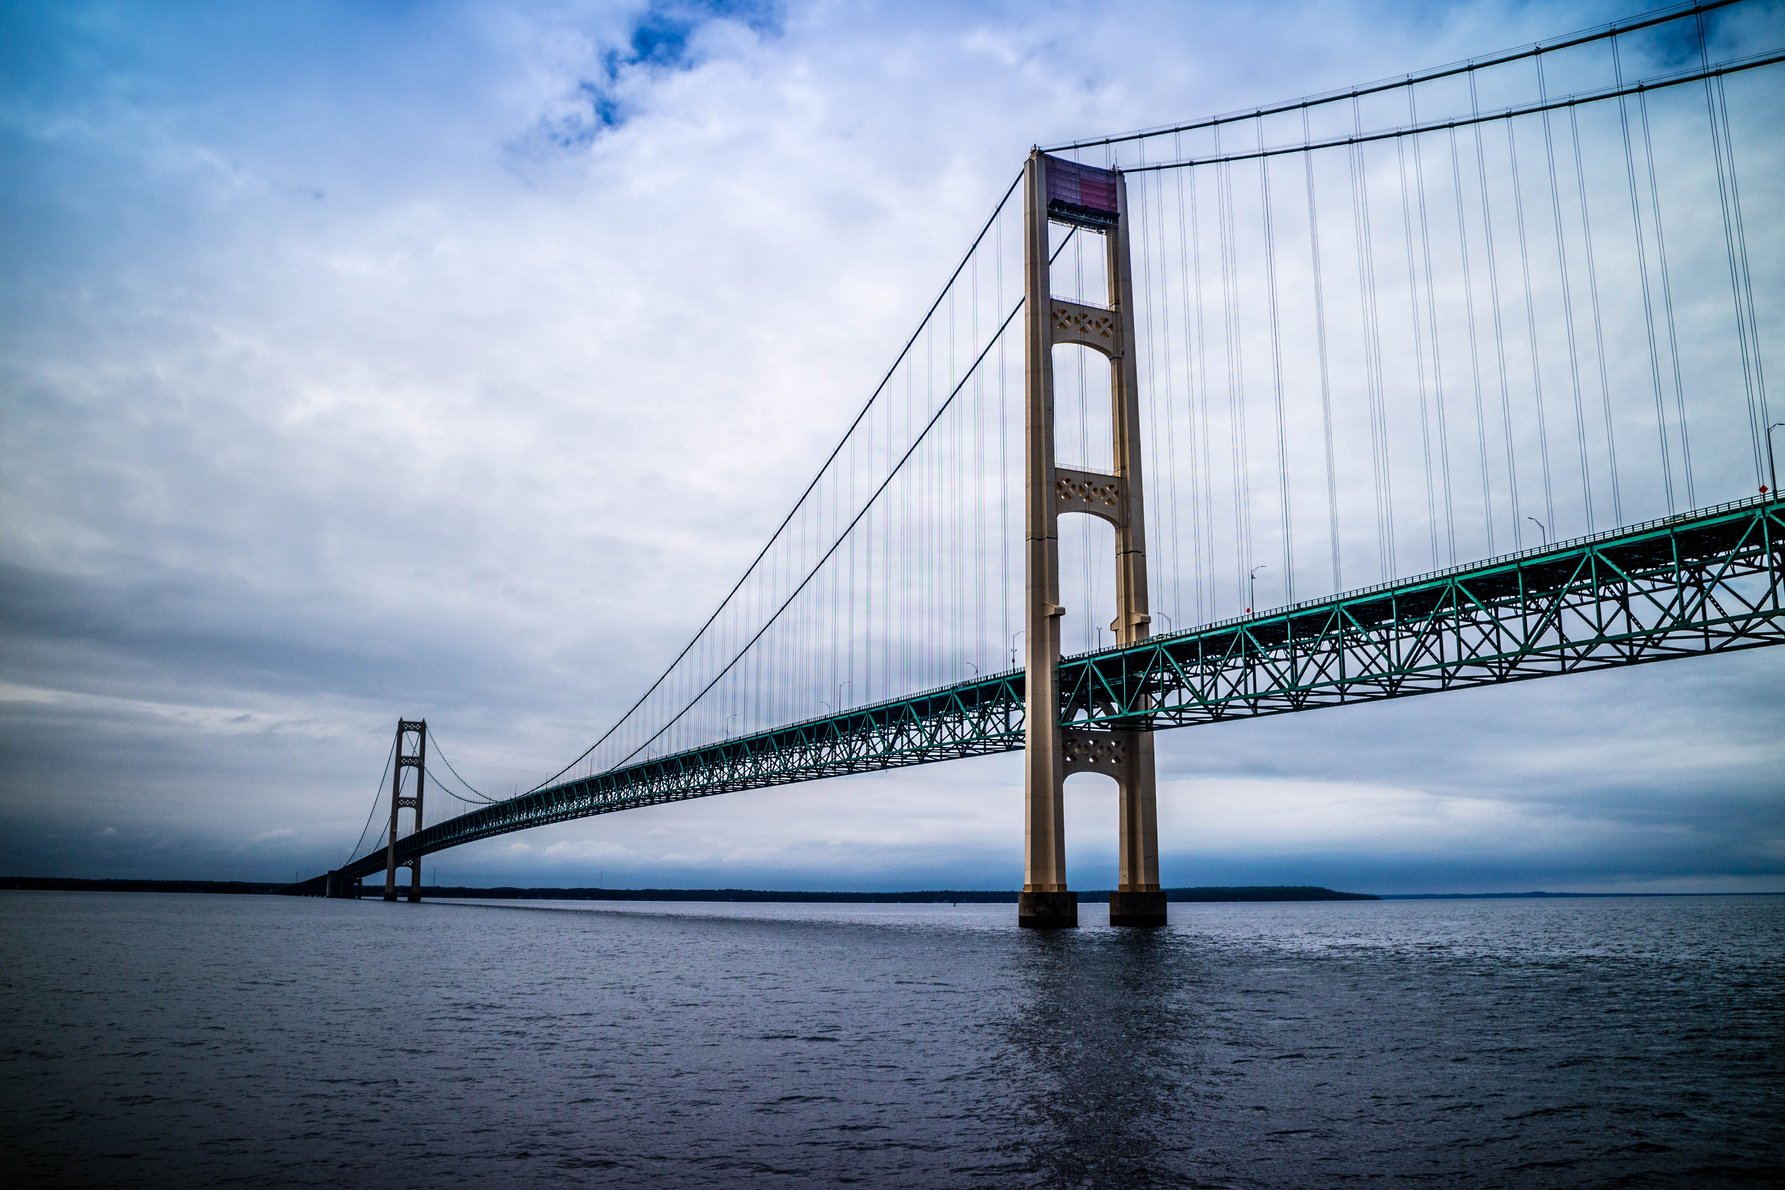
point(1137, 908)
point(1047, 910)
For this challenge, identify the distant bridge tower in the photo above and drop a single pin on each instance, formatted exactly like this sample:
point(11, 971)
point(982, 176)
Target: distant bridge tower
point(1093, 200)
point(406, 759)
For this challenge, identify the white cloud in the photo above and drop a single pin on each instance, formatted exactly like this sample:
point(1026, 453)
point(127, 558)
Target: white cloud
point(336, 391)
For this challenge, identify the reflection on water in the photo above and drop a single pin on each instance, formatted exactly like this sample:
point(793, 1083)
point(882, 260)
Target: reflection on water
point(154, 1040)
point(1106, 1042)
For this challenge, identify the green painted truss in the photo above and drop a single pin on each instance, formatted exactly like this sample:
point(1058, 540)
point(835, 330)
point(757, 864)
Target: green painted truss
point(1704, 582)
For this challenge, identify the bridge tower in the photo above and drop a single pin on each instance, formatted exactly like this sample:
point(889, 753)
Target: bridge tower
point(407, 730)
point(1096, 201)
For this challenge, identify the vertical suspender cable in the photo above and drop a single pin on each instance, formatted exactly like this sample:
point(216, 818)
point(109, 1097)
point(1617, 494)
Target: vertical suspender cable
point(1202, 504)
point(1764, 417)
point(864, 690)
point(910, 576)
point(1487, 227)
point(1236, 396)
point(1419, 350)
point(1438, 386)
point(1166, 399)
point(1642, 269)
point(1586, 226)
point(1169, 397)
point(934, 514)
point(1151, 396)
point(1326, 386)
point(977, 509)
point(1741, 242)
point(1487, 488)
point(1086, 568)
point(953, 503)
point(1366, 257)
point(1270, 270)
point(1673, 341)
point(1555, 206)
point(1205, 409)
point(1524, 256)
point(1004, 477)
point(1740, 285)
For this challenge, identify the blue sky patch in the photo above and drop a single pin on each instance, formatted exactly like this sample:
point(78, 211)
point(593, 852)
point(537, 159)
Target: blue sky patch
point(659, 42)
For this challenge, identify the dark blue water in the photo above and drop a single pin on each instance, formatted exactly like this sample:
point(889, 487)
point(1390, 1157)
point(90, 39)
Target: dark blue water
point(152, 1040)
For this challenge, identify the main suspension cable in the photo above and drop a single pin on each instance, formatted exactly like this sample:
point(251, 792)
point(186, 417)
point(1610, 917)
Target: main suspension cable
point(377, 793)
point(1500, 58)
point(854, 521)
point(892, 474)
point(434, 742)
point(1579, 99)
point(798, 504)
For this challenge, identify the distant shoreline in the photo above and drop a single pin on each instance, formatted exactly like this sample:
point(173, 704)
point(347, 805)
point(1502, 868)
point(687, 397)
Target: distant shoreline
point(1207, 894)
point(513, 893)
point(1562, 896)
point(923, 897)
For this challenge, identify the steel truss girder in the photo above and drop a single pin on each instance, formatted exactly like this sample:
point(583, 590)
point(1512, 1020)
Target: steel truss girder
point(976, 718)
point(1705, 582)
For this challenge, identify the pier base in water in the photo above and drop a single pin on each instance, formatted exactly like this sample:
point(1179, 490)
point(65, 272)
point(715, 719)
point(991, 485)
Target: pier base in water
point(1137, 908)
point(1047, 910)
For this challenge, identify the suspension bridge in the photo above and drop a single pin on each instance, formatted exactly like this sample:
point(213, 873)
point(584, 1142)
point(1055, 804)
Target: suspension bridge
point(1451, 379)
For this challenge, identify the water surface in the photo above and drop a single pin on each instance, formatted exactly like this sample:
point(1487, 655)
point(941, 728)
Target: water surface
point(150, 1040)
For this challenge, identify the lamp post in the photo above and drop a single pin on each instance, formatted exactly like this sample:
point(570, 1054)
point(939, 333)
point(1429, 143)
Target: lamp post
point(1013, 639)
point(1252, 586)
point(1772, 465)
point(1541, 527)
point(849, 682)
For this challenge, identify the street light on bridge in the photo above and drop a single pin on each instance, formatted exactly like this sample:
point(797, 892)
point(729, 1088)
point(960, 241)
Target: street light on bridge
point(1772, 465)
point(1541, 527)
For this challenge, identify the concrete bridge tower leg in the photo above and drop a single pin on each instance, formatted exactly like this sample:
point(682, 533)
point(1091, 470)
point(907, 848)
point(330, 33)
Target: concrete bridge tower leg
point(1095, 200)
point(415, 758)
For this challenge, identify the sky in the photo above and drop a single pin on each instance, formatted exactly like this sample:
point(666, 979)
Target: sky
point(451, 360)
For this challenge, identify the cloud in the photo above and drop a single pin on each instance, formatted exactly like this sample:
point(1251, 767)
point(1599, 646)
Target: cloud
point(358, 362)
point(675, 36)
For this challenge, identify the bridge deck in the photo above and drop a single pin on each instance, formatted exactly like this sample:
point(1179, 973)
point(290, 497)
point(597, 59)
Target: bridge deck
point(1704, 582)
